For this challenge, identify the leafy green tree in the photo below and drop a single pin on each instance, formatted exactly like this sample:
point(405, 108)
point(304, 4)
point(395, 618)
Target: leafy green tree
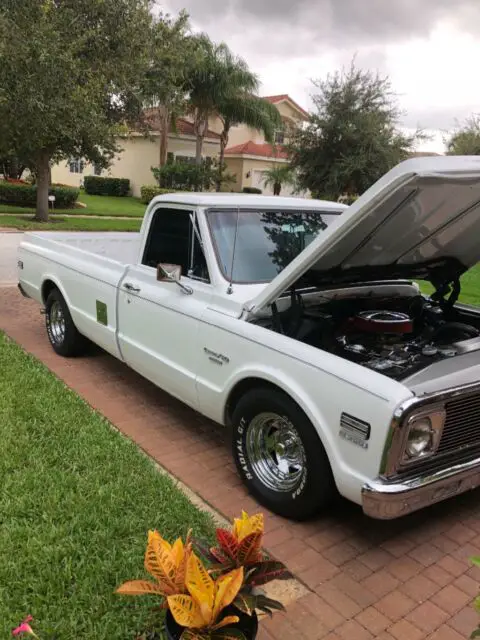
point(12, 167)
point(353, 136)
point(216, 76)
point(245, 108)
point(465, 141)
point(165, 85)
point(278, 176)
point(68, 74)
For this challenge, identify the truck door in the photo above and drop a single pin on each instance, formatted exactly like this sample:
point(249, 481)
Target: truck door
point(158, 322)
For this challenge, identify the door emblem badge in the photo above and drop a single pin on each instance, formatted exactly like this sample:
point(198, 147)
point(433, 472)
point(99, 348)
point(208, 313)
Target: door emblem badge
point(217, 358)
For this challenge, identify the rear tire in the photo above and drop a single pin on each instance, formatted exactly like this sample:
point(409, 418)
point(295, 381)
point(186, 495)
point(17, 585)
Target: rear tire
point(61, 330)
point(279, 455)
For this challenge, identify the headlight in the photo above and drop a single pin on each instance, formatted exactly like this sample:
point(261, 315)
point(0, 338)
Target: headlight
point(424, 433)
point(420, 438)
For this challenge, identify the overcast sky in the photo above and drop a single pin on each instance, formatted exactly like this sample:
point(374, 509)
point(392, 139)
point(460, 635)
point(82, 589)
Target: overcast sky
point(430, 49)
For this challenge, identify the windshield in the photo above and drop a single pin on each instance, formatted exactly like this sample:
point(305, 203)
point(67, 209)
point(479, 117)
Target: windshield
point(266, 241)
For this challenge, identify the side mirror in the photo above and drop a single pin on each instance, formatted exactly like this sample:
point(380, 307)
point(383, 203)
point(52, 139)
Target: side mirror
point(169, 272)
point(172, 273)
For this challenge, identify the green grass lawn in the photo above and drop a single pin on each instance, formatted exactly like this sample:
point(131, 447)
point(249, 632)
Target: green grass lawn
point(71, 224)
point(96, 206)
point(76, 502)
point(470, 287)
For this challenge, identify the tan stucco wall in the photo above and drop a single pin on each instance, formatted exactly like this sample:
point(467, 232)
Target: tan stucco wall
point(241, 133)
point(234, 167)
point(135, 161)
point(288, 111)
point(242, 166)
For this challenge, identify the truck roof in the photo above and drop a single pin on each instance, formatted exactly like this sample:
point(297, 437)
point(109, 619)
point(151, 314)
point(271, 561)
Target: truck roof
point(208, 199)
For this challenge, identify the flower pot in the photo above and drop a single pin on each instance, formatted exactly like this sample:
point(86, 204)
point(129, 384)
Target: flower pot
point(248, 625)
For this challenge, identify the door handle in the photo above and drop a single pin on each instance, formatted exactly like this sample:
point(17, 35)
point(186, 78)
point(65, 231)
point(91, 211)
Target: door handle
point(131, 287)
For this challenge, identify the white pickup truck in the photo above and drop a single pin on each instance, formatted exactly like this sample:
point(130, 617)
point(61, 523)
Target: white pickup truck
point(301, 325)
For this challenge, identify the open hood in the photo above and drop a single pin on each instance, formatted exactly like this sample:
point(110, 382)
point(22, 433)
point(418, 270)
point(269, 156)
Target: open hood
point(421, 220)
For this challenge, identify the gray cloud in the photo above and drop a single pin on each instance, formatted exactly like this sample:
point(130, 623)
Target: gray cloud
point(443, 119)
point(326, 34)
point(332, 22)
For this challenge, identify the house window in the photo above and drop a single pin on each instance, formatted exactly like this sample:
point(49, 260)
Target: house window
point(279, 137)
point(97, 169)
point(185, 159)
point(76, 165)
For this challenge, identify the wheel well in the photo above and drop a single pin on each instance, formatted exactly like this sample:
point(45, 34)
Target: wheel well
point(47, 287)
point(240, 389)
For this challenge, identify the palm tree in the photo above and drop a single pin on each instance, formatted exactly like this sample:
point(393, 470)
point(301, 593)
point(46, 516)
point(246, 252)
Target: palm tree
point(164, 86)
point(248, 109)
point(216, 76)
point(278, 176)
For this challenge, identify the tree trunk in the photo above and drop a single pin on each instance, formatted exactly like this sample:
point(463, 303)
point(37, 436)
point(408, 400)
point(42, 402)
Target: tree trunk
point(277, 188)
point(43, 173)
point(199, 149)
point(221, 160)
point(164, 120)
point(200, 127)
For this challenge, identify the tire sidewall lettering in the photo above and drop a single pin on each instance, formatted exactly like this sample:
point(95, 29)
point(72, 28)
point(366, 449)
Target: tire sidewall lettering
point(241, 428)
point(242, 458)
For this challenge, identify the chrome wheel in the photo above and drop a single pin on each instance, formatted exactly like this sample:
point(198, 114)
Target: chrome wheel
point(275, 452)
point(57, 323)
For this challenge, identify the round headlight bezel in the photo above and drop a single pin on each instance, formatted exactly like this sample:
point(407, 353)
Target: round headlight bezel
point(431, 423)
point(420, 439)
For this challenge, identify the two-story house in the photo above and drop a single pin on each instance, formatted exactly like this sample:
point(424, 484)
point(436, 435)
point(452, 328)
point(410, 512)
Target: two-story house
point(247, 156)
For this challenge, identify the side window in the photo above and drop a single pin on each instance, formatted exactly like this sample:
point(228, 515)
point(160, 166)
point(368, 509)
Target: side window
point(172, 240)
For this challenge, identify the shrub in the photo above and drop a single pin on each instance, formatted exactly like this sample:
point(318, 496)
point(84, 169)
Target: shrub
point(185, 177)
point(252, 190)
point(26, 195)
point(97, 186)
point(149, 191)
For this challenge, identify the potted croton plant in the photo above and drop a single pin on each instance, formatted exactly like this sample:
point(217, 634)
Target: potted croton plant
point(218, 600)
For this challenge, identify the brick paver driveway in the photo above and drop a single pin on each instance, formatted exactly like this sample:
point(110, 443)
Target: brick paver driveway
point(403, 580)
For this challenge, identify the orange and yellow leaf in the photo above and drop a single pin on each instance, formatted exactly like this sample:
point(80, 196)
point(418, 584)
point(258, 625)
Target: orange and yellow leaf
point(177, 552)
point(154, 535)
point(225, 622)
point(201, 587)
point(158, 560)
point(140, 588)
point(244, 526)
point(226, 590)
point(186, 611)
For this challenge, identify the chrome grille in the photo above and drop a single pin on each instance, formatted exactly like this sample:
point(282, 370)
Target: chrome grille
point(462, 424)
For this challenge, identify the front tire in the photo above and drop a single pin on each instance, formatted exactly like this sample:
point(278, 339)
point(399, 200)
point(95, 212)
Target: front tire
point(61, 330)
point(279, 455)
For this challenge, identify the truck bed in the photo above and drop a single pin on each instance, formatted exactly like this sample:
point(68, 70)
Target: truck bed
point(86, 268)
point(121, 246)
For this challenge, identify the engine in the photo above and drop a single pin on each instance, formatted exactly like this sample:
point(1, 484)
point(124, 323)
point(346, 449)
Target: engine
point(396, 339)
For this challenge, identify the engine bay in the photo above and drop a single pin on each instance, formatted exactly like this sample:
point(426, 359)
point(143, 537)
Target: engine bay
point(396, 336)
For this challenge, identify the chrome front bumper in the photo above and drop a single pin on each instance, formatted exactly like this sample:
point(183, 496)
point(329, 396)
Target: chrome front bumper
point(388, 500)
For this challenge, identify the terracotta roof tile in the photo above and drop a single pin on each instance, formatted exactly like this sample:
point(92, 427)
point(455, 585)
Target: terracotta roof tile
point(251, 148)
